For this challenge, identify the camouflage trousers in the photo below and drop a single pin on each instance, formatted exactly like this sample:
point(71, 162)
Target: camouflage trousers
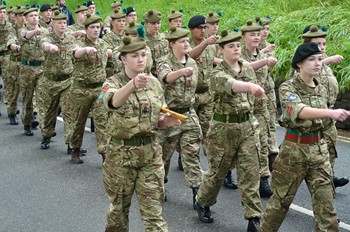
point(188, 136)
point(12, 87)
point(295, 163)
point(204, 108)
point(230, 144)
point(330, 134)
point(83, 100)
point(128, 169)
point(49, 95)
point(29, 77)
point(264, 146)
point(272, 108)
point(4, 63)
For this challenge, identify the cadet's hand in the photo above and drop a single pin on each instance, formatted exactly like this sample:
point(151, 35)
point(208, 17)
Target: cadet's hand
point(269, 48)
point(212, 39)
point(340, 114)
point(336, 59)
point(37, 31)
point(90, 50)
point(53, 48)
point(107, 31)
point(187, 71)
point(80, 33)
point(140, 80)
point(256, 90)
point(271, 61)
point(167, 121)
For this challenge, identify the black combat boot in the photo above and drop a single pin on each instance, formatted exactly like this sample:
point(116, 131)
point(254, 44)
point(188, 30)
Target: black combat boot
point(272, 157)
point(76, 156)
point(35, 122)
point(13, 120)
point(92, 125)
point(229, 183)
point(83, 151)
point(204, 213)
point(45, 143)
point(340, 182)
point(179, 163)
point(28, 130)
point(194, 192)
point(253, 225)
point(265, 189)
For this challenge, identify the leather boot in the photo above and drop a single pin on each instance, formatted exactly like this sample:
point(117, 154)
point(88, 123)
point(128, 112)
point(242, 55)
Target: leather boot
point(83, 151)
point(45, 143)
point(92, 125)
point(204, 213)
point(253, 225)
point(194, 193)
point(35, 122)
point(179, 162)
point(265, 189)
point(272, 158)
point(28, 130)
point(13, 120)
point(229, 182)
point(76, 156)
point(340, 182)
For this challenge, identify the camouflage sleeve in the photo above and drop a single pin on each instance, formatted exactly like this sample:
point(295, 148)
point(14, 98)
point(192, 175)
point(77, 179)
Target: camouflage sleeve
point(12, 38)
point(22, 35)
point(163, 69)
point(45, 39)
point(108, 90)
point(107, 23)
point(221, 82)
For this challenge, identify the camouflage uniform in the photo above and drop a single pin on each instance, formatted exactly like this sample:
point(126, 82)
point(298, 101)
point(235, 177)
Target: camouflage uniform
point(300, 160)
point(88, 76)
point(271, 104)
point(159, 48)
point(44, 24)
point(108, 23)
point(180, 97)
point(204, 101)
point(113, 40)
point(75, 27)
point(31, 70)
point(53, 87)
point(260, 109)
point(232, 139)
point(5, 30)
point(134, 155)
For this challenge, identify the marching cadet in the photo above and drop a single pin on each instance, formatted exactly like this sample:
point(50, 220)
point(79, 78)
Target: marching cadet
point(78, 29)
point(131, 14)
point(116, 6)
point(91, 7)
point(11, 15)
point(303, 153)
point(213, 21)
point(46, 16)
point(175, 18)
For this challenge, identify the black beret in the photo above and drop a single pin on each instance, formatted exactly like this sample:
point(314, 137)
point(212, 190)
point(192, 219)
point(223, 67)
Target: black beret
point(128, 10)
point(45, 7)
point(196, 21)
point(304, 51)
point(89, 3)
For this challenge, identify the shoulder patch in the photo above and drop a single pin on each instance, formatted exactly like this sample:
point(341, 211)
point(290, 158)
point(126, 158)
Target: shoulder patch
point(292, 97)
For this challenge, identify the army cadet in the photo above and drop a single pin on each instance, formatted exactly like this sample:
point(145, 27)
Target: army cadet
point(155, 40)
point(326, 78)
point(78, 29)
point(213, 21)
point(303, 153)
point(115, 37)
point(91, 7)
point(11, 15)
point(116, 5)
point(175, 18)
point(13, 85)
point(179, 75)
point(233, 136)
point(32, 60)
point(134, 155)
point(88, 76)
point(53, 87)
point(46, 16)
point(260, 62)
point(131, 14)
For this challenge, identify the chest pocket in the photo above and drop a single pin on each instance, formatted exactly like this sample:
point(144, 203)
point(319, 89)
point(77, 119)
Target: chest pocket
point(145, 112)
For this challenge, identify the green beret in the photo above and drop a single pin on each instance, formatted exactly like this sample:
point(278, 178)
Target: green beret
point(176, 33)
point(59, 16)
point(132, 44)
point(263, 21)
point(30, 10)
point(90, 19)
point(80, 8)
point(152, 16)
point(314, 32)
point(54, 7)
point(174, 15)
point(10, 10)
point(213, 18)
point(116, 4)
point(130, 29)
point(227, 37)
point(2, 6)
point(19, 10)
point(118, 14)
point(250, 26)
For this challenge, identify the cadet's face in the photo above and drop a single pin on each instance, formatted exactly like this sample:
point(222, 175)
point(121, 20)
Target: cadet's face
point(198, 33)
point(118, 24)
point(153, 27)
point(47, 14)
point(61, 2)
point(131, 17)
point(321, 42)
point(81, 16)
point(92, 9)
point(311, 65)
point(93, 30)
point(135, 61)
point(32, 18)
point(59, 26)
point(265, 31)
point(176, 22)
point(20, 19)
point(12, 17)
point(231, 51)
point(181, 45)
point(252, 38)
point(213, 28)
point(2, 14)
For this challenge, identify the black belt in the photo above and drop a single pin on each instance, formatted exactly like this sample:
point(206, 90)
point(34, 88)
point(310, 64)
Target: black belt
point(202, 90)
point(15, 58)
point(88, 85)
point(3, 53)
point(232, 118)
point(180, 110)
point(34, 63)
point(57, 77)
point(134, 141)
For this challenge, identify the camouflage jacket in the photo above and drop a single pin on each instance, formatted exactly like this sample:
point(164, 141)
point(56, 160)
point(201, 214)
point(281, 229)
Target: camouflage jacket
point(140, 113)
point(181, 93)
point(294, 95)
point(5, 30)
point(13, 38)
point(159, 48)
point(329, 81)
point(44, 24)
point(225, 101)
point(113, 40)
point(31, 49)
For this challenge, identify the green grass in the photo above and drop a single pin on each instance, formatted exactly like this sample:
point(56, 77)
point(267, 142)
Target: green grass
point(289, 17)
